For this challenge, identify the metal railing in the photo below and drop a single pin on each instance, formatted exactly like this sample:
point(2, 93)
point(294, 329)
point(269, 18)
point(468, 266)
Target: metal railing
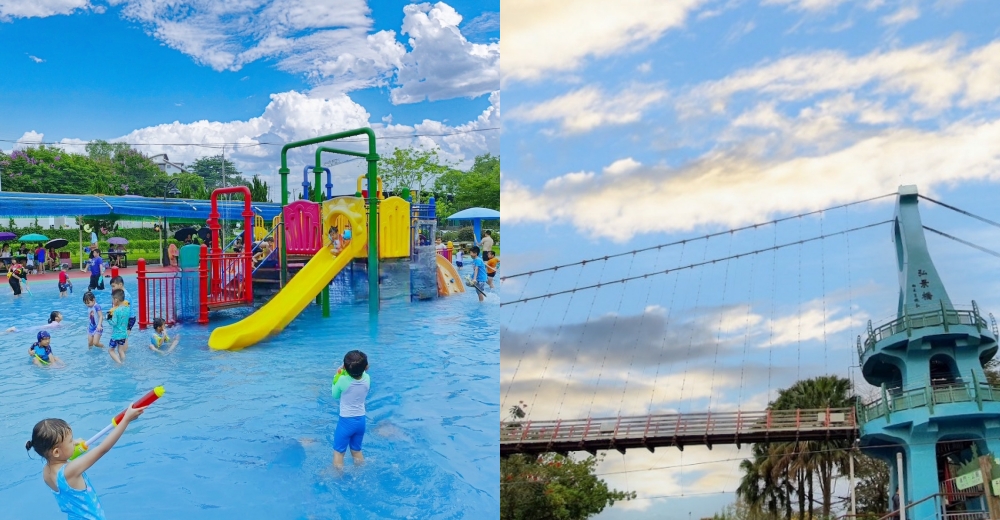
point(269, 254)
point(927, 396)
point(676, 430)
point(158, 295)
point(908, 322)
point(423, 211)
point(229, 281)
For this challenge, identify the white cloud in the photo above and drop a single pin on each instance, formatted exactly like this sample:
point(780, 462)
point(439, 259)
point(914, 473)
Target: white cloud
point(808, 5)
point(331, 43)
point(622, 166)
point(35, 59)
point(39, 8)
point(590, 107)
point(442, 63)
point(486, 22)
point(903, 16)
point(661, 199)
point(545, 36)
point(29, 139)
point(934, 76)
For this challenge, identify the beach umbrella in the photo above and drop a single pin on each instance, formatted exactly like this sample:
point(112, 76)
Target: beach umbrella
point(34, 237)
point(7, 235)
point(117, 241)
point(56, 243)
point(477, 216)
point(183, 233)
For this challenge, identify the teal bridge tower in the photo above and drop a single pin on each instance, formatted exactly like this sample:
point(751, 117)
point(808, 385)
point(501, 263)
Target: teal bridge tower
point(936, 407)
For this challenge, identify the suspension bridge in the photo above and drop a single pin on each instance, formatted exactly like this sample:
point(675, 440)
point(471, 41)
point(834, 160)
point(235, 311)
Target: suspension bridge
point(549, 344)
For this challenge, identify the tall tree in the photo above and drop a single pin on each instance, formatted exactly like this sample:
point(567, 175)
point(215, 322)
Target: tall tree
point(216, 172)
point(259, 189)
point(413, 169)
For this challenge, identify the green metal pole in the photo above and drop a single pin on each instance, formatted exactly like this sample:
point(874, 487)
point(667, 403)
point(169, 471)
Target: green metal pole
point(372, 158)
point(283, 172)
point(324, 298)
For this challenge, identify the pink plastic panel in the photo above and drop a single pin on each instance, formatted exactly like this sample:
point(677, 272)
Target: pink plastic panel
point(303, 227)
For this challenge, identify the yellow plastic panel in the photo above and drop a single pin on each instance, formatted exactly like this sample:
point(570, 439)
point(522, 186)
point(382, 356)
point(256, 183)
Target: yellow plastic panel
point(259, 231)
point(394, 228)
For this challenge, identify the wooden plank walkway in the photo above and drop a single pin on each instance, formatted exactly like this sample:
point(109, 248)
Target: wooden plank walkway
point(679, 430)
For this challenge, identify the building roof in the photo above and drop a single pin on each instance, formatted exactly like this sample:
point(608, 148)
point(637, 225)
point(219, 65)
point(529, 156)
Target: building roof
point(13, 204)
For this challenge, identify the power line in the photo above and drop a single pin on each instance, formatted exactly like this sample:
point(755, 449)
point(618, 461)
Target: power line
point(720, 233)
point(689, 266)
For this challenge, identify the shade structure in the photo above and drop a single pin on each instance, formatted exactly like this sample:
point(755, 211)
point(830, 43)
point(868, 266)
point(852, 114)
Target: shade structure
point(34, 237)
point(7, 235)
point(56, 243)
point(477, 216)
point(117, 241)
point(14, 204)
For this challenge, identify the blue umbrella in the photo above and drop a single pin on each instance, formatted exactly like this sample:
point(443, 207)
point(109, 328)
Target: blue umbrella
point(477, 216)
point(34, 237)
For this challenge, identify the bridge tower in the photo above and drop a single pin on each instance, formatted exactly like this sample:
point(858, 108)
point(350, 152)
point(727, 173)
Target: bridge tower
point(936, 407)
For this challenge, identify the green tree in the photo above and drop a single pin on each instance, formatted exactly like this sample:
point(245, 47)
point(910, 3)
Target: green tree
point(259, 189)
point(871, 488)
point(553, 487)
point(478, 187)
point(216, 172)
point(411, 168)
point(191, 186)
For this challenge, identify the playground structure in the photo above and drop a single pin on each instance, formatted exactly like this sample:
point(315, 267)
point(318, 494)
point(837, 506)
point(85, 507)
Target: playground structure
point(386, 240)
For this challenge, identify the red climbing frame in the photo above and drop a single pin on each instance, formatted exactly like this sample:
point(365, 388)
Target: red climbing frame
point(231, 280)
point(157, 296)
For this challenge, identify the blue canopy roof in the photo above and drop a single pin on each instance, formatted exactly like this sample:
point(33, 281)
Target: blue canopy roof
point(14, 204)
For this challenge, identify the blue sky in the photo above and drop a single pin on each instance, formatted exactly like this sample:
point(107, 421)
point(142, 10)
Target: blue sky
point(670, 120)
point(142, 71)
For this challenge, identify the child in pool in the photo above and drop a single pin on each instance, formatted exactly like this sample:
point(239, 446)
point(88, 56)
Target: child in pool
point(118, 283)
point(64, 282)
point(96, 327)
point(55, 320)
point(53, 440)
point(458, 258)
point(118, 319)
point(41, 351)
point(334, 235)
point(159, 337)
point(350, 385)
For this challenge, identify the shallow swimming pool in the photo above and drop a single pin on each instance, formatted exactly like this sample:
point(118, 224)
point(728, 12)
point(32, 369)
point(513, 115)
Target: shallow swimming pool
point(249, 434)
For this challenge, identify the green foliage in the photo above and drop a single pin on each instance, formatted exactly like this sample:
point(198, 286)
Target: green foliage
point(411, 168)
point(871, 488)
point(553, 487)
point(213, 170)
point(259, 189)
point(477, 188)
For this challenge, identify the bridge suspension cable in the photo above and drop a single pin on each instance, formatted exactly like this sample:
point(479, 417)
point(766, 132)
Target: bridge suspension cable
point(959, 240)
point(689, 266)
point(678, 242)
point(962, 211)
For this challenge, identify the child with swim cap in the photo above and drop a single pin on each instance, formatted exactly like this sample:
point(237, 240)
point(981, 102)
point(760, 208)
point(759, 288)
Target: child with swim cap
point(350, 385)
point(159, 337)
point(96, 326)
point(41, 350)
point(53, 440)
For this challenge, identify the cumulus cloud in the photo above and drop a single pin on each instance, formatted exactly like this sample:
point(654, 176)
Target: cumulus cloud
point(331, 43)
point(545, 36)
point(933, 76)
point(590, 107)
point(752, 188)
point(29, 139)
point(442, 63)
point(10, 9)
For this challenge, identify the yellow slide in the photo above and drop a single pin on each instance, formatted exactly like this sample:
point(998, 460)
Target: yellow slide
point(449, 282)
point(288, 303)
point(276, 314)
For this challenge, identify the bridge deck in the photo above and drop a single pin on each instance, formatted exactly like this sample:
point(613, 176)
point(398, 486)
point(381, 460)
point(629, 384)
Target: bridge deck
point(680, 430)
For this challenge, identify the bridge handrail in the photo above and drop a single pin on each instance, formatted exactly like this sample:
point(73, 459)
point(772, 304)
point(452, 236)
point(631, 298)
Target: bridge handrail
point(931, 395)
point(908, 322)
point(641, 427)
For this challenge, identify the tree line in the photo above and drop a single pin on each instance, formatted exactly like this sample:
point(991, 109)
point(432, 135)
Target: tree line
point(117, 169)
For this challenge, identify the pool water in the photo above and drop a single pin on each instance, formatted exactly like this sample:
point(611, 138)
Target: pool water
point(249, 434)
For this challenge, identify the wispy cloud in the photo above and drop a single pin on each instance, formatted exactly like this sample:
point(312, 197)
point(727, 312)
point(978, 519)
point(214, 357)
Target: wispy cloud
point(10, 9)
point(35, 59)
point(590, 107)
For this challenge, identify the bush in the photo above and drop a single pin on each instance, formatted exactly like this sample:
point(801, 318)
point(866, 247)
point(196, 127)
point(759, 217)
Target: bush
point(466, 234)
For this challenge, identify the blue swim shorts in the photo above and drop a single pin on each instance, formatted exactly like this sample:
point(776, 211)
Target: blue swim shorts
point(350, 431)
point(131, 323)
point(115, 343)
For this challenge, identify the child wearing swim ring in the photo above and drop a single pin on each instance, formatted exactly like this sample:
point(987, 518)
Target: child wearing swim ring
point(159, 337)
point(350, 386)
point(96, 326)
point(53, 440)
point(41, 351)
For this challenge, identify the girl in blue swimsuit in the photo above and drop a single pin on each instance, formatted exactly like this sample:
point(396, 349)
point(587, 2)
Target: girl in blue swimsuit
point(53, 440)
